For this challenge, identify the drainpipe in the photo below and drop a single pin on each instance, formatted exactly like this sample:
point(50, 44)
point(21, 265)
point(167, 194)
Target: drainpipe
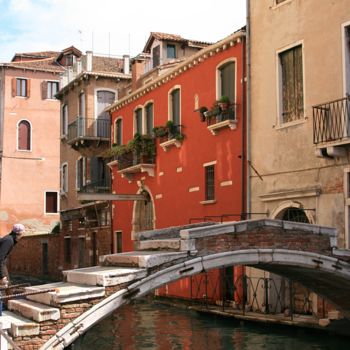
point(248, 112)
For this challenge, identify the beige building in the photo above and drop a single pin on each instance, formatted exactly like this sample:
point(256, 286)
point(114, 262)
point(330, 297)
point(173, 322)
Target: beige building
point(92, 84)
point(300, 112)
point(29, 142)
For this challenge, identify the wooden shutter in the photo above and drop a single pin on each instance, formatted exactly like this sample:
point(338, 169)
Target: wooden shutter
point(14, 87)
point(44, 85)
point(24, 135)
point(28, 88)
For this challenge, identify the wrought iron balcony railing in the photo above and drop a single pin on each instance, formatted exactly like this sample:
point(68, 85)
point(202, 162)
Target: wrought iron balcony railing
point(218, 115)
point(331, 121)
point(100, 186)
point(132, 158)
point(87, 128)
point(173, 133)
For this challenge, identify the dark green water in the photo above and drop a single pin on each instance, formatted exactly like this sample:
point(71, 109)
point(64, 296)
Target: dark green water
point(148, 326)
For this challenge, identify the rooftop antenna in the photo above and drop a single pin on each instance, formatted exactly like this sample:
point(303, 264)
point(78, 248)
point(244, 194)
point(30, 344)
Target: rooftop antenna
point(129, 43)
point(92, 41)
point(109, 44)
point(81, 38)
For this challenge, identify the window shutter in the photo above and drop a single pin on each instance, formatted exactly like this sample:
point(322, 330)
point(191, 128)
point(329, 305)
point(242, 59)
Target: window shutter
point(28, 88)
point(14, 87)
point(44, 90)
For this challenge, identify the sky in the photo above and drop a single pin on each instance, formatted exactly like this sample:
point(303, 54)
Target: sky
point(112, 27)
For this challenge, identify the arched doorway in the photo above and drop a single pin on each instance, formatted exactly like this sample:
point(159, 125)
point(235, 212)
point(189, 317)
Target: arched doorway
point(295, 296)
point(143, 217)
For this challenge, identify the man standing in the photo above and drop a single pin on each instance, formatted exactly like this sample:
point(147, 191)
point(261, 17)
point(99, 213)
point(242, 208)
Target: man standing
point(6, 245)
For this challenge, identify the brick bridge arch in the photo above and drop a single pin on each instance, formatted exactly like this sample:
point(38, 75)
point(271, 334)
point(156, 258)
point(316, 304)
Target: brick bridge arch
point(302, 252)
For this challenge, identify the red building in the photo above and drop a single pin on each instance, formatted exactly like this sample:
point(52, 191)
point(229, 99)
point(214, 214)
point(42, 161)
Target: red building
point(177, 145)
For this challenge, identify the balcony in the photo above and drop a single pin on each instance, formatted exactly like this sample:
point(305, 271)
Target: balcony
point(85, 132)
point(135, 157)
point(171, 136)
point(218, 119)
point(90, 189)
point(331, 123)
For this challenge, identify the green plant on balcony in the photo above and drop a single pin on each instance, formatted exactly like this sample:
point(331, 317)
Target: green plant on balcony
point(169, 131)
point(221, 110)
point(140, 145)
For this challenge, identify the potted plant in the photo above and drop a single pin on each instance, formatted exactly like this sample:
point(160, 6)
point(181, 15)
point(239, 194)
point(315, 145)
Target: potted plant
point(224, 103)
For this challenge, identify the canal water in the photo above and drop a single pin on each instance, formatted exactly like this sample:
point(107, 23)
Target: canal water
point(150, 326)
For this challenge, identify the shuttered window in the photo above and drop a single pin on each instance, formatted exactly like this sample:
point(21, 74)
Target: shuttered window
point(171, 51)
point(118, 132)
point(209, 182)
point(175, 106)
point(227, 81)
point(24, 135)
point(64, 120)
point(20, 87)
point(149, 118)
point(292, 95)
point(156, 56)
point(51, 205)
point(138, 121)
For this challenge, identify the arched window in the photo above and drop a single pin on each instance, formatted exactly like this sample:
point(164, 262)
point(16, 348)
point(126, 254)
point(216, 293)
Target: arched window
point(175, 106)
point(295, 214)
point(118, 125)
point(24, 135)
point(227, 81)
point(149, 118)
point(138, 121)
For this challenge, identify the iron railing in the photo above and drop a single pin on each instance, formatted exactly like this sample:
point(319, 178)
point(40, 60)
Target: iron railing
point(217, 115)
point(250, 294)
point(100, 186)
point(331, 121)
point(133, 158)
point(173, 133)
point(89, 128)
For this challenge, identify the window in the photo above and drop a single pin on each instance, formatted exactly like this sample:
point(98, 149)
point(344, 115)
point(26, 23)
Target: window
point(64, 178)
point(138, 121)
point(24, 136)
point(149, 118)
point(291, 80)
point(171, 51)
point(20, 87)
point(175, 106)
point(81, 251)
point(49, 89)
point(347, 206)
point(67, 250)
point(51, 202)
point(81, 105)
point(80, 173)
point(347, 58)
point(156, 56)
point(70, 59)
point(119, 241)
point(118, 125)
point(209, 182)
point(64, 120)
point(227, 81)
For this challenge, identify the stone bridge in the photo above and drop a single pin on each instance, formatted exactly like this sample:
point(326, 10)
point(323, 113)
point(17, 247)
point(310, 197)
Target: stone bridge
point(301, 252)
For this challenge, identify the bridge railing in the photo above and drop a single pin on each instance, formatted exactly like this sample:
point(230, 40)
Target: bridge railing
point(250, 294)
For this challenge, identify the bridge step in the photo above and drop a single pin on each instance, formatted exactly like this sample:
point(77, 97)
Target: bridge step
point(20, 326)
point(143, 259)
point(64, 293)
point(104, 275)
point(159, 244)
point(34, 311)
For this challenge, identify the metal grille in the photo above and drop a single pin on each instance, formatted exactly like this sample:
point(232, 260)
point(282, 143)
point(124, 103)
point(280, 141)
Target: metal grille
point(331, 120)
point(209, 182)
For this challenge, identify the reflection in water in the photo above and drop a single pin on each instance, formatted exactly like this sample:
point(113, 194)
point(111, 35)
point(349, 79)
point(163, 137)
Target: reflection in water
point(147, 326)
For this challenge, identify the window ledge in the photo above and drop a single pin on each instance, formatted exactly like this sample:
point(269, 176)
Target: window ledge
point(211, 201)
point(173, 142)
point(294, 123)
point(139, 168)
point(232, 124)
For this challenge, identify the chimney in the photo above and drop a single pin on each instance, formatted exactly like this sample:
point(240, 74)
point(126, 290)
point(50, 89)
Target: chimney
point(137, 69)
point(89, 61)
point(126, 59)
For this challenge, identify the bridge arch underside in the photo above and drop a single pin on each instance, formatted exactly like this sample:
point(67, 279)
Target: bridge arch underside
point(324, 275)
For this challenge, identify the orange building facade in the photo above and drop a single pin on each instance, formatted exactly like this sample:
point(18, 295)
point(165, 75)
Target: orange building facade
point(177, 145)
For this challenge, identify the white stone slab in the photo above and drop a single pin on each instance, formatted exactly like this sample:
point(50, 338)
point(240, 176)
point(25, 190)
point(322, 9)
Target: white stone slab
point(20, 326)
point(64, 292)
point(34, 311)
point(160, 244)
point(104, 275)
point(143, 259)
